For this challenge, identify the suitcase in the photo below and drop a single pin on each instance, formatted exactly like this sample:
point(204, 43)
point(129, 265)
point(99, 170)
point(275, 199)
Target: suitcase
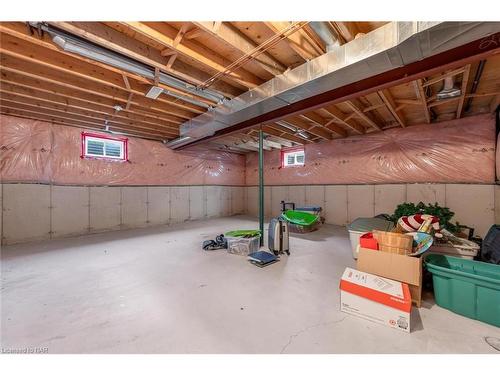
point(278, 240)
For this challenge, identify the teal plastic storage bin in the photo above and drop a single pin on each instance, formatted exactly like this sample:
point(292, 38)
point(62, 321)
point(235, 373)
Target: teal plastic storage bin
point(466, 287)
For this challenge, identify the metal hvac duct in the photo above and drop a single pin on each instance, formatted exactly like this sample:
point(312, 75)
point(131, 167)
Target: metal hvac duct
point(326, 35)
point(449, 89)
point(391, 46)
point(73, 44)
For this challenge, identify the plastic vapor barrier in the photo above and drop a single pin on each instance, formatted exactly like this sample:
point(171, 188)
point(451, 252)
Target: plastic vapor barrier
point(454, 151)
point(37, 151)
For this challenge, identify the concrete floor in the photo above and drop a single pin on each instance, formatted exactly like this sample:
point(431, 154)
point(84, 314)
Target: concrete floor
point(155, 291)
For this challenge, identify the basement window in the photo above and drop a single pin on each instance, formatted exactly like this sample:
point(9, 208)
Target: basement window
point(98, 146)
point(292, 157)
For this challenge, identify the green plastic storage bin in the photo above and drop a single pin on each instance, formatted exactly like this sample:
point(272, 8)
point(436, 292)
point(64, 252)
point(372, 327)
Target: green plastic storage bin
point(466, 287)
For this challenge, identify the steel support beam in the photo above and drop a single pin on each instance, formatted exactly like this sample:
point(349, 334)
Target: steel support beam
point(261, 186)
point(454, 58)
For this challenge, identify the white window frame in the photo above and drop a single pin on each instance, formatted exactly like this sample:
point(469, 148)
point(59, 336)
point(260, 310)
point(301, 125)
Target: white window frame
point(293, 153)
point(122, 143)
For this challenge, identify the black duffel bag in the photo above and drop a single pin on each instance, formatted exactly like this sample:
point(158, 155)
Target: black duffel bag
point(490, 249)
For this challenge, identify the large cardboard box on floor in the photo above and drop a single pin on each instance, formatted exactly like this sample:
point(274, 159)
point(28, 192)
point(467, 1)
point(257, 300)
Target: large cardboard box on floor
point(396, 267)
point(375, 298)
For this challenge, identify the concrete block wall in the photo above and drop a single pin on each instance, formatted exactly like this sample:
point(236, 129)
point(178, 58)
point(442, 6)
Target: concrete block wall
point(474, 204)
point(32, 212)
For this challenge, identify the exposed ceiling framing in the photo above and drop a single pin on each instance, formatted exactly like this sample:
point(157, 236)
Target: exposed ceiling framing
point(39, 80)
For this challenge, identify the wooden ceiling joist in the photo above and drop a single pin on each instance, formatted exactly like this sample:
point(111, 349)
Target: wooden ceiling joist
point(82, 115)
point(238, 41)
point(271, 143)
point(388, 100)
point(14, 29)
point(373, 107)
point(190, 51)
point(180, 34)
point(40, 80)
point(364, 116)
point(482, 94)
point(254, 140)
point(282, 142)
point(298, 41)
point(39, 98)
point(465, 81)
point(193, 33)
point(316, 130)
point(120, 96)
point(346, 30)
point(171, 60)
point(443, 76)
point(107, 37)
point(71, 120)
point(408, 102)
point(274, 130)
point(34, 87)
point(342, 118)
point(129, 101)
point(420, 93)
point(320, 121)
point(126, 82)
point(246, 141)
point(433, 102)
point(10, 112)
point(82, 72)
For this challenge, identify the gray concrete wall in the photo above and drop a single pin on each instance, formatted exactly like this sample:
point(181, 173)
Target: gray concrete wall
point(474, 204)
point(32, 212)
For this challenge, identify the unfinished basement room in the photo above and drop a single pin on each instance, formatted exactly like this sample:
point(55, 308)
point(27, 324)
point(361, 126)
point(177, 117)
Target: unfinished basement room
point(250, 187)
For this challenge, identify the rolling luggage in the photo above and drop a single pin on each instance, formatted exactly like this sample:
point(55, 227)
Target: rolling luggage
point(278, 239)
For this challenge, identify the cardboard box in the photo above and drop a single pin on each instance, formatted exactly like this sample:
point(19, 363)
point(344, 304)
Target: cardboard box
point(397, 267)
point(376, 299)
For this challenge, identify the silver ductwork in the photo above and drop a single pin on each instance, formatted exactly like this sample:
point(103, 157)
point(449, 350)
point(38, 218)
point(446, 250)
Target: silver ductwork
point(76, 45)
point(177, 142)
point(391, 46)
point(449, 90)
point(297, 131)
point(325, 33)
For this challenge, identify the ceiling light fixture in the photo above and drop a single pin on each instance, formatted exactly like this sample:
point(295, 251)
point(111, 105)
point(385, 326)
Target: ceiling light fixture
point(154, 92)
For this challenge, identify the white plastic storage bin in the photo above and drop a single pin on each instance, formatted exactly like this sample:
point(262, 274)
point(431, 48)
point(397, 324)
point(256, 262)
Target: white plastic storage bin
point(242, 246)
point(365, 224)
